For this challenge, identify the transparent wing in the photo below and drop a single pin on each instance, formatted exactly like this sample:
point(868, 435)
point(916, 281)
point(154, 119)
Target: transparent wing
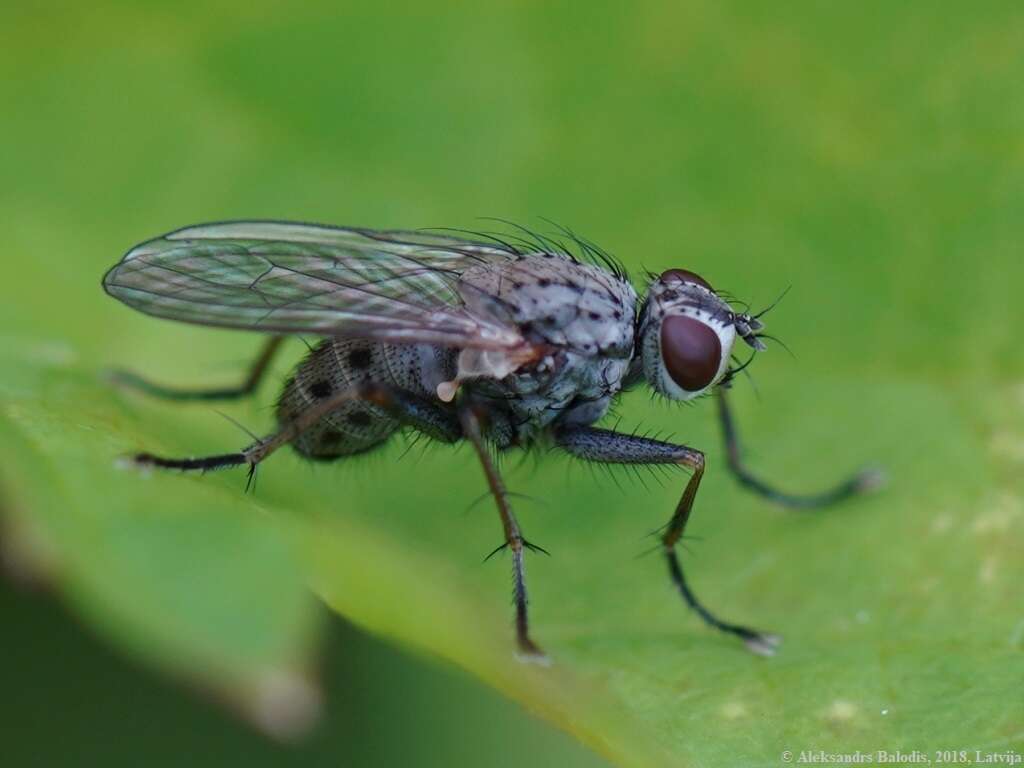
point(281, 277)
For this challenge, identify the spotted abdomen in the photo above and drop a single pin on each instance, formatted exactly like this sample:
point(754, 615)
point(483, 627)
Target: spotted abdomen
point(338, 365)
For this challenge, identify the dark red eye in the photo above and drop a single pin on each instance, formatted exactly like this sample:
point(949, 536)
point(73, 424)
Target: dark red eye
point(685, 275)
point(691, 351)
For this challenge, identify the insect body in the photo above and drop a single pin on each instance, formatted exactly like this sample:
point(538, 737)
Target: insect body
point(501, 341)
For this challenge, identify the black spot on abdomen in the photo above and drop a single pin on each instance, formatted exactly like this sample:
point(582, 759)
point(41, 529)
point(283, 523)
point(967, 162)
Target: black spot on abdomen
point(359, 419)
point(360, 359)
point(321, 389)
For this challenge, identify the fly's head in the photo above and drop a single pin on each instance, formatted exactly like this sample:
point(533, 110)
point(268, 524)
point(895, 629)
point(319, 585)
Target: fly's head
point(686, 334)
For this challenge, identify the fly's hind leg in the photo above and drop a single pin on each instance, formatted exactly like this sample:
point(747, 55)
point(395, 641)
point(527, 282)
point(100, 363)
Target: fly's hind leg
point(862, 482)
point(607, 447)
point(248, 385)
point(409, 410)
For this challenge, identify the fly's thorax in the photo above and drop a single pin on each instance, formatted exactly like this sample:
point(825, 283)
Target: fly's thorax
point(557, 302)
point(578, 318)
point(685, 336)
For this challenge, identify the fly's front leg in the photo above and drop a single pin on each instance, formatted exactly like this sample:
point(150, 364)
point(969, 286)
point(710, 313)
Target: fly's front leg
point(862, 482)
point(247, 387)
point(607, 447)
point(513, 535)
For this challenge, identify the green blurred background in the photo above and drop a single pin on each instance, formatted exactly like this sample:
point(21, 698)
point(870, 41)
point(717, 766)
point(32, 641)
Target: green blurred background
point(869, 155)
point(71, 702)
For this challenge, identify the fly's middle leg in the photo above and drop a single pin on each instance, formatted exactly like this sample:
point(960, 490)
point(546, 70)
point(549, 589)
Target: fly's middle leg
point(514, 539)
point(256, 373)
point(605, 446)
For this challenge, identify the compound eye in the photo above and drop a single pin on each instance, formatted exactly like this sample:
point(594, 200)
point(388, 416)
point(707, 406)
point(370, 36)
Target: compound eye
point(685, 276)
point(691, 351)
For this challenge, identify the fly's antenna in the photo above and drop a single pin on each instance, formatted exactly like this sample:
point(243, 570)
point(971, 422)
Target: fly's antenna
point(747, 327)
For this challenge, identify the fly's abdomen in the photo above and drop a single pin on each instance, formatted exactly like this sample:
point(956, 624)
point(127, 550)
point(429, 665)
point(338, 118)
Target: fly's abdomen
point(354, 427)
point(335, 366)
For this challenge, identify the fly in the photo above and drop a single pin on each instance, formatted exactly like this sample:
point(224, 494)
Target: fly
point(498, 341)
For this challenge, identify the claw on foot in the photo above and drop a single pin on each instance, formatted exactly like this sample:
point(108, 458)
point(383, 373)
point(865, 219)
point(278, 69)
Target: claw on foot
point(871, 479)
point(762, 644)
point(530, 653)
